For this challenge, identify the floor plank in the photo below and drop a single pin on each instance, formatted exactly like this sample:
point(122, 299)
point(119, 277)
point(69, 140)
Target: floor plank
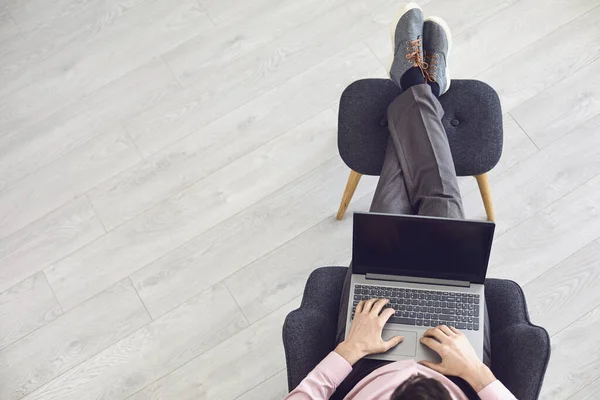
point(35, 296)
point(194, 107)
point(70, 339)
point(567, 291)
point(274, 388)
point(543, 178)
point(278, 277)
point(226, 45)
point(575, 362)
point(589, 392)
point(554, 112)
point(239, 241)
point(160, 347)
point(53, 28)
point(185, 216)
point(211, 147)
point(255, 354)
point(56, 184)
point(89, 64)
point(549, 237)
point(47, 240)
point(26, 150)
point(510, 30)
point(549, 60)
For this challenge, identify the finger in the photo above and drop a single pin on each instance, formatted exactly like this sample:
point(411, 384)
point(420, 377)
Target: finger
point(455, 331)
point(378, 306)
point(437, 334)
point(432, 344)
point(393, 342)
point(359, 307)
point(434, 366)
point(387, 314)
point(447, 331)
point(368, 305)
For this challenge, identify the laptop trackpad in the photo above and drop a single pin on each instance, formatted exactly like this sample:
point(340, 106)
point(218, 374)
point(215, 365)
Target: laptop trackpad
point(407, 348)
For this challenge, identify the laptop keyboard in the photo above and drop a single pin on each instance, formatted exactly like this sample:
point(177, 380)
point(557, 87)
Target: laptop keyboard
point(424, 307)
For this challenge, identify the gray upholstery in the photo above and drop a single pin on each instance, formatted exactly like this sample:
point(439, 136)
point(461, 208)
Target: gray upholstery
point(520, 350)
point(473, 123)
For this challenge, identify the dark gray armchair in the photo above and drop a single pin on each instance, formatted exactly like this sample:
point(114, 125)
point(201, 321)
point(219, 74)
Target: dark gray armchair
point(520, 350)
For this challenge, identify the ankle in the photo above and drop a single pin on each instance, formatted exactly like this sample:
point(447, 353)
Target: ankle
point(414, 76)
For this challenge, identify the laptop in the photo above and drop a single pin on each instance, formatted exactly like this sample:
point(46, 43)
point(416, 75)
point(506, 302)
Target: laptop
point(432, 270)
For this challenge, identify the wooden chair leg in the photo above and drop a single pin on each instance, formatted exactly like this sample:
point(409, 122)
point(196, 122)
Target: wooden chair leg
point(353, 180)
point(486, 195)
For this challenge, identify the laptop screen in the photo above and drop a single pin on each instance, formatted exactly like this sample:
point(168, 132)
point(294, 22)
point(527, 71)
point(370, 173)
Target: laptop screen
point(418, 246)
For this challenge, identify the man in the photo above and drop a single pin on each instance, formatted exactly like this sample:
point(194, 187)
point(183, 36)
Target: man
point(418, 177)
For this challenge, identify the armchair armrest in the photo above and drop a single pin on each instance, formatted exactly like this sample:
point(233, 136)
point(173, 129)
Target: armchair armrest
point(520, 350)
point(309, 332)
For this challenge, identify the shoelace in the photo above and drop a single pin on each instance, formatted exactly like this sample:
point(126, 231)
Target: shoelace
point(431, 69)
point(413, 55)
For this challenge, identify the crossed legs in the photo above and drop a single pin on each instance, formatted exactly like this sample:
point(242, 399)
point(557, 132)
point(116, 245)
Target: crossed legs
point(418, 177)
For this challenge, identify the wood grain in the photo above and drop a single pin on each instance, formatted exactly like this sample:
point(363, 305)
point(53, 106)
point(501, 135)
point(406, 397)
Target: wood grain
point(232, 13)
point(194, 107)
point(190, 213)
point(549, 60)
point(70, 339)
point(264, 35)
point(212, 147)
point(567, 291)
point(53, 30)
point(33, 296)
point(57, 183)
point(543, 178)
point(240, 241)
point(88, 65)
point(589, 392)
point(160, 347)
point(510, 30)
point(47, 240)
point(26, 150)
point(274, 388)
point(557, 110)
point(549, 237)
point(575, 362)
point(260, 287)
point(255, 354)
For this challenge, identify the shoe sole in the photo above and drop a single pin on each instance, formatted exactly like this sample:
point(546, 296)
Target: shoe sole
point(404, 10)
point(446, 28)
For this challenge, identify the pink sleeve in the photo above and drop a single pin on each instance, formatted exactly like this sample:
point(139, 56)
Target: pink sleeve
point(323, 380)
point(496, 391)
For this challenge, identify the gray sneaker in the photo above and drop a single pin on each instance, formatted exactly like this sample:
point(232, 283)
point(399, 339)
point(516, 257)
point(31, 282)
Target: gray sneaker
point(407, 45)
point(437, 41)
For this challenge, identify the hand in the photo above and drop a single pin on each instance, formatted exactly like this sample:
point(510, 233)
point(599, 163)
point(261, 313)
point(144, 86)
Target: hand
point(364, 337)
point(458, 356)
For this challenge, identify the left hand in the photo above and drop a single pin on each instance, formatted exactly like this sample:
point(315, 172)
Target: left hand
point(364, 337)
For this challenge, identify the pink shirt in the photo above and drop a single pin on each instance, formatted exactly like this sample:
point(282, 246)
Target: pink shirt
point(381, 383)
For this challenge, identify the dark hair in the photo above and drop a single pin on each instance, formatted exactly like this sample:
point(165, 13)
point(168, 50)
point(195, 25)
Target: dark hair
point(419, 387)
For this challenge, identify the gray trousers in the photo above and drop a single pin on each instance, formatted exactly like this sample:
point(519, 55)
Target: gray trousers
point(418, 177)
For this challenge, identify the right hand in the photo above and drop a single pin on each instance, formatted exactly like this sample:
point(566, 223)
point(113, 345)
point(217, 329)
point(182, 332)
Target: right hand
point(458, 356)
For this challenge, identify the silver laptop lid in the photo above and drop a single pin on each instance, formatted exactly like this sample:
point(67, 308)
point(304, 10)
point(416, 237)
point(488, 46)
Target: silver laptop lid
point(421, 247)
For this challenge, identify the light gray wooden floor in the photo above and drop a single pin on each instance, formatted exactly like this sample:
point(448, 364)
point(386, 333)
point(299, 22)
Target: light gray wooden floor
point(169, 177)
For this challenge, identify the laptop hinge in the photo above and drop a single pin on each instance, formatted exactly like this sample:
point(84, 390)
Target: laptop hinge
point(415, 279)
